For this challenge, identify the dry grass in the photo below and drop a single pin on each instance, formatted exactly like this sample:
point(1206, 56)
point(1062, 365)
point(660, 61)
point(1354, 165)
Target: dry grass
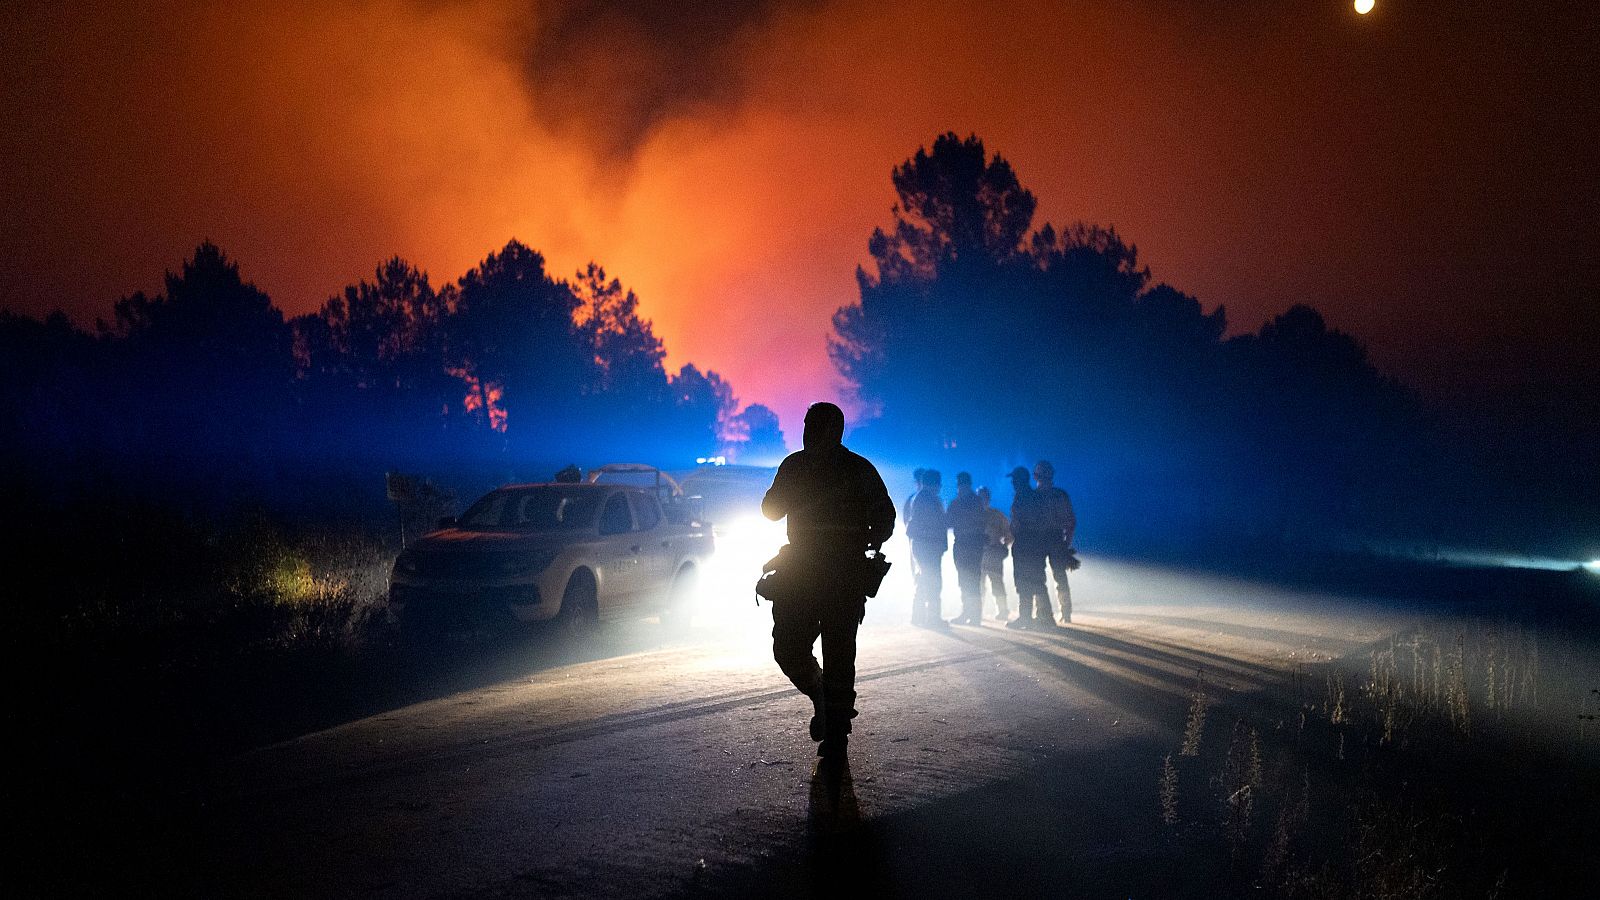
point(1169, 792)
point(148, 587)
point(1194, 728)
point(1375, 791)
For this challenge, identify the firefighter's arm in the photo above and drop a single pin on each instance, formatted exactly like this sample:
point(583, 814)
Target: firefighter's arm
point(777, 502)
point(880, 523)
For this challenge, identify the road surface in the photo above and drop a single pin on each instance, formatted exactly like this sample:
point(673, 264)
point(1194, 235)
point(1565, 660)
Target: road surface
point(658, 764)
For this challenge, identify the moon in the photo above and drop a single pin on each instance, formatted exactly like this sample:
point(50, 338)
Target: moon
point(1365, 6)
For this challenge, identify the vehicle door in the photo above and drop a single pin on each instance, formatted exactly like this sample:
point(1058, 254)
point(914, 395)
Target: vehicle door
point(658, 551)
point(619, 554)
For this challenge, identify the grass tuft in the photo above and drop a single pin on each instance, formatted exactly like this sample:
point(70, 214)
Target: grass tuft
point(1195, 727)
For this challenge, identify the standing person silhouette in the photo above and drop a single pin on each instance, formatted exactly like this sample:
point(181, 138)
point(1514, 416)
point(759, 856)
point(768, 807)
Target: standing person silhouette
point(905, 516)
point(838, 509)
point(1031, 535)
point(929, 532)
point(968, 519)
point(1062, 523)
point(997, 546)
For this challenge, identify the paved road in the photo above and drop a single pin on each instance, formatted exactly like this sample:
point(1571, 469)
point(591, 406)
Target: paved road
point(665, 765)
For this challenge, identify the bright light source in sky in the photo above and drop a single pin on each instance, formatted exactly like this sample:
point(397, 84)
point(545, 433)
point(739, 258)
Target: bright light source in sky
point(1364, 6)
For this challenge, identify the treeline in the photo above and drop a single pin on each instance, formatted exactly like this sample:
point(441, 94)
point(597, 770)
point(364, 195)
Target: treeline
point(506, 371)
point(978, 341)
point(982, 341)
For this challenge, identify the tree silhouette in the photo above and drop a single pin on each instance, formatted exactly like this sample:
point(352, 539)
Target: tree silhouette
point(383, 335)
point(1095, 269)
point(207, 364)
point(51, 399)
point(703, 405)
point(1335, 430)
point(757, 437)
point(950, 275)
point(373, 362)
point(210, 322)
point(975, 340)
point(514, 338)
point(957, 208)
point(971, 319)
point(552, 364)
point(627, 354)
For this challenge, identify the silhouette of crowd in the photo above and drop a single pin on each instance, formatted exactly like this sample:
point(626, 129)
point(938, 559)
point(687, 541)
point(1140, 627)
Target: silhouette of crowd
point(1037, 536)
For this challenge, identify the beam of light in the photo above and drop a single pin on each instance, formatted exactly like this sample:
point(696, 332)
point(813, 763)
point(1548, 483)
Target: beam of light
point(1593, 565)
point(1461, 556)
point(743, 544)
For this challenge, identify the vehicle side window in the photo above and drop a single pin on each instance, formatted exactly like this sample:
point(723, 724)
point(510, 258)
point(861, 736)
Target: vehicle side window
point(615, 519)
point(646, 512)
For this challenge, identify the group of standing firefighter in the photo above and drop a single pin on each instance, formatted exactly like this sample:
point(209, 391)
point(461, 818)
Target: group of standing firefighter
point(1038, 537)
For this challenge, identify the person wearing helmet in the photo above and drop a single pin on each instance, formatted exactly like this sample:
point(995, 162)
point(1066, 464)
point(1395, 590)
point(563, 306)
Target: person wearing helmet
point(1063, 523)
point(1031, 535)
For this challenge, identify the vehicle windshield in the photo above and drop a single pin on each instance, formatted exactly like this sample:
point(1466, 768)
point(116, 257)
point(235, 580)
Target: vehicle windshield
point(544, 508)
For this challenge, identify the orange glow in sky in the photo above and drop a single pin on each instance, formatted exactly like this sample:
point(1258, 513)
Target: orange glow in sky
point(1275, 156)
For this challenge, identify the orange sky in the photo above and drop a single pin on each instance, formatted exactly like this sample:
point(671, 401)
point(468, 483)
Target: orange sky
point(1421, 176)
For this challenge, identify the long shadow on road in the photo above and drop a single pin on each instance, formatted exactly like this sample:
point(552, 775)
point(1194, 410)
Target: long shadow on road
point(1077, 823)
point(1089, 822)
point(268, 706)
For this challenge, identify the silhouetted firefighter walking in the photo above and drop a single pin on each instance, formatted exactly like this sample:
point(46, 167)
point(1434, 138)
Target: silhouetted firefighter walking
point(839, 511)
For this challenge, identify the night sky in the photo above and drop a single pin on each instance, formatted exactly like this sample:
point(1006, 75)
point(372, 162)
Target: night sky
point(1426, 175)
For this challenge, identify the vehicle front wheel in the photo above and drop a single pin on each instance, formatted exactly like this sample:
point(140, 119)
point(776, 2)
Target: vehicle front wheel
point(579, 617)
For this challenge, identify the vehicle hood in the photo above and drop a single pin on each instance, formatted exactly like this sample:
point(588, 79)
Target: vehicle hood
point(471, 540)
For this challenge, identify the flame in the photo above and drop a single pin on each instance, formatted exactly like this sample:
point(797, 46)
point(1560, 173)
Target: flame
point(482, 396)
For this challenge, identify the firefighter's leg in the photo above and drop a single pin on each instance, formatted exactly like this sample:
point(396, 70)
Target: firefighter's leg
point(969, 575)
point(997, 586)
point(795, 627)
point(930, 566)
point(1023, 562)
point(838, 631)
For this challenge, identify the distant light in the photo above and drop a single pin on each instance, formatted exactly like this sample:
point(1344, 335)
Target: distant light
point(711, 460)
point(1593, 565)
point(1364, 6)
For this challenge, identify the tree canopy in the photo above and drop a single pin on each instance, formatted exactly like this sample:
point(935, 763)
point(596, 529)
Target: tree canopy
point(980, 339)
